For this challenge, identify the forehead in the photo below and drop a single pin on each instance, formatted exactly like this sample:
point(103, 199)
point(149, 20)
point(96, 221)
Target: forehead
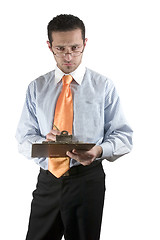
point(67, 38)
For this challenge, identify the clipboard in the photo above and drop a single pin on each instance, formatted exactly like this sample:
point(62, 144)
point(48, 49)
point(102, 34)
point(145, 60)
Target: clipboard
point(57, 149)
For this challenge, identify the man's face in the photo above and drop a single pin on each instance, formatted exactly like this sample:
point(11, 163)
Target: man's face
point(65, 43)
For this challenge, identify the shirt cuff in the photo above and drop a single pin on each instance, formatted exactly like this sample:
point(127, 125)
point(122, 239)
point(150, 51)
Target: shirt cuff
point(107, 150)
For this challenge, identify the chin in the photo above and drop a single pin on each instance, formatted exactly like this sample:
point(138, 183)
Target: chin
point(69, 69)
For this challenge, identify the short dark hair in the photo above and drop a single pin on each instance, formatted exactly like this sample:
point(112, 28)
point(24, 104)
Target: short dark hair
point(63, 23)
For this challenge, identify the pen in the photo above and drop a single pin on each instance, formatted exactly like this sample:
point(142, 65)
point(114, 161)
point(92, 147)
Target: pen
point(55, 127)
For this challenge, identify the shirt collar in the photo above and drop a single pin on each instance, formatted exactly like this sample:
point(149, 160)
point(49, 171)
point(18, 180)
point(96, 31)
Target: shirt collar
point(77, 75)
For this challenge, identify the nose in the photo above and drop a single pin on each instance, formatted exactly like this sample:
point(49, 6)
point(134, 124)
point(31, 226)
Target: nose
point(68, 56)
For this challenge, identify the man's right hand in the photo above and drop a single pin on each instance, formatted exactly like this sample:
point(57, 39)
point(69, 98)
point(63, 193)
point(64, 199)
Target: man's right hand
point(51, 136)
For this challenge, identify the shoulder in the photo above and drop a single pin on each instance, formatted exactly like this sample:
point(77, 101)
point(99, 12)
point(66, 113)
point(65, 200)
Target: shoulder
point(98, 78)
point(93, 74)
point(43, 80)
point(102, 84)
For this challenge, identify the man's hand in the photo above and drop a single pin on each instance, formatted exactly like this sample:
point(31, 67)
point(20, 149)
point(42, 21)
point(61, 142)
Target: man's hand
point(85, 157)
point(51, 136)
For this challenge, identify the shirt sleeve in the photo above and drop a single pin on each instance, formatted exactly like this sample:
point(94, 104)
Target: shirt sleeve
point(117, 133)
point(28, 131)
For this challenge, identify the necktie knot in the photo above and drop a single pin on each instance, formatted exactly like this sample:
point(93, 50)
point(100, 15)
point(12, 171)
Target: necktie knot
point(67, 79)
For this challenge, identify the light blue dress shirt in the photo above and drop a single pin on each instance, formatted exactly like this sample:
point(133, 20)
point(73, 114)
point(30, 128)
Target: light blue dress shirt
point(98, 117)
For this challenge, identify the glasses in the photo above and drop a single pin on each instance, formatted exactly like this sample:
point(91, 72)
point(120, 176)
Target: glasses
point(73, 53)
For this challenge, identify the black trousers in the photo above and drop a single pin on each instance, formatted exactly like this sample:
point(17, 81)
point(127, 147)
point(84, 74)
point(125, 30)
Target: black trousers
point(71, 206)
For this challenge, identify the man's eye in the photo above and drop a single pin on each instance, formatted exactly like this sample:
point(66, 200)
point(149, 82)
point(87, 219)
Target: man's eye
point(74, 48)
point(61, 49)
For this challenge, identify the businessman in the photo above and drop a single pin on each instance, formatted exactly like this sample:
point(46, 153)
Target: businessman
point(69, 196)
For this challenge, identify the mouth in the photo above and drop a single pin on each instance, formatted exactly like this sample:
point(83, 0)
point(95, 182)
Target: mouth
point(68, 64)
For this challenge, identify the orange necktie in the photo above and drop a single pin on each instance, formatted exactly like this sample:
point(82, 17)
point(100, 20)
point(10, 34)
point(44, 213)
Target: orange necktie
point(63, 119)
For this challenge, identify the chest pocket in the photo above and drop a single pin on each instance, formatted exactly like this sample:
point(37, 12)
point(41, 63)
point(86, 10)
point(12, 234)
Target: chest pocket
point(88, 118)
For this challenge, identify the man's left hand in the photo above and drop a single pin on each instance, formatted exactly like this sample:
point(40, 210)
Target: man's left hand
point(85, 157)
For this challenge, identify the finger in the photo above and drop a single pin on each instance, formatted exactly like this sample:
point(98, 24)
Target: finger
point(55, 132)
point(71, 155)
point(50, 137)
point(76, 151)
point(78, 158)
point(74, 156)
point(84, 155)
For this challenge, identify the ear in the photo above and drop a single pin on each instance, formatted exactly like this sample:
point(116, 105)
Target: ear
point(49, 46)
point(85, 41)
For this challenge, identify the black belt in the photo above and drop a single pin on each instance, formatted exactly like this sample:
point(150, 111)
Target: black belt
point(78, 169)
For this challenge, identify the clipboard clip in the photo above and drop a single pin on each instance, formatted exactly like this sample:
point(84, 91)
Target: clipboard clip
point(64, 137)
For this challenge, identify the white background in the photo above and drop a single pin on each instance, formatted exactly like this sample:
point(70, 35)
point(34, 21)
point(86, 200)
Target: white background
point(124, 45)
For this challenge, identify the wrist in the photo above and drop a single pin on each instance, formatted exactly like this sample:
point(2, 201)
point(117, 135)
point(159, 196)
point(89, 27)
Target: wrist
point(99, 151)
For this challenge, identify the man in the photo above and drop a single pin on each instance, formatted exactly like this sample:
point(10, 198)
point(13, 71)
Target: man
point(70, 202)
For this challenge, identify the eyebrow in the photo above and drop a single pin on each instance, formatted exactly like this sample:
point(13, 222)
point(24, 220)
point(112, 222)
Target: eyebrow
point(73, 45)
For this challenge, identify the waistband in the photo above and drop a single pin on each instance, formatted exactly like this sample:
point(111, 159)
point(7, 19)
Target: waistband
point(78, 169)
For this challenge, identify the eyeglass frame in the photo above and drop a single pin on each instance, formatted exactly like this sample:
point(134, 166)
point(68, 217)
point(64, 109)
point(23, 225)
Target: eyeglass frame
point(71, 53)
